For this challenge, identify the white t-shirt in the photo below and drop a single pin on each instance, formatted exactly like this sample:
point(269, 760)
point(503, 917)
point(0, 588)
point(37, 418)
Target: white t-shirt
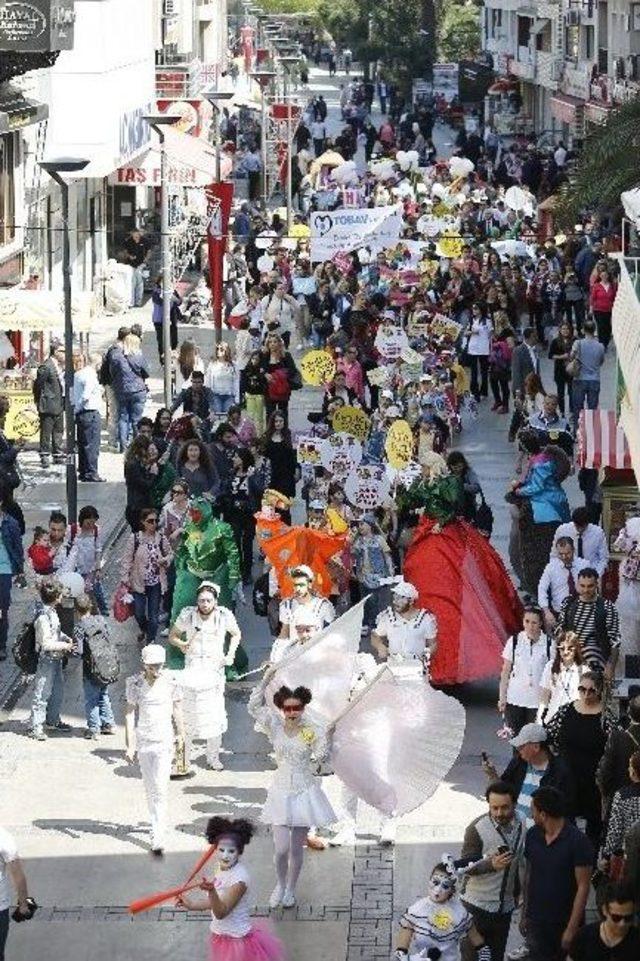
point(8, 853)
point(155, 707)
point(563, 687)
point(527, 668)
point(406, 638)
point(238, 923)
point(292, 611)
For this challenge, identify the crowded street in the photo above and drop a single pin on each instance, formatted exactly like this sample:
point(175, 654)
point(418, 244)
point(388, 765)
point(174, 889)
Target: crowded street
point(319, 532)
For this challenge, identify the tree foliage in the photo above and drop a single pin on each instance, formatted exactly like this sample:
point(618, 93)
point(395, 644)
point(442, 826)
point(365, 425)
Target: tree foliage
point(459, 32)
point(607, 166)
point(309, 7)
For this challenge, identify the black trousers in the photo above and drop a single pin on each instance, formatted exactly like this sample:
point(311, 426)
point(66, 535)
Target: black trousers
point(500, 389)
point(603, 323)
point(244, 530)
point(51, 431)
point(516, 717)
point(493, 927)
point(173, 338)
point(88, 431)
point(545, 941)
point(254, 184)
point(480, 361)
point(4, 931)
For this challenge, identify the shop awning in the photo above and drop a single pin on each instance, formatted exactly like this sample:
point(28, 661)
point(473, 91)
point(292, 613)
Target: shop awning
point(191, 163)
point(565, 108)
point(597, 112)
point(601, 442)
point(40, 310)
point(17, 112)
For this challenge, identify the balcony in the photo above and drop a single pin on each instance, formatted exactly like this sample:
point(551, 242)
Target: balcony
point(523, 64)
point(179, 81)
point(548, 69)
point(576, 80)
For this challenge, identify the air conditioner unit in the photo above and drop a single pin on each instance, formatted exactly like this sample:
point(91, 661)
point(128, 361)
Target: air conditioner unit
point(170, 8)
point(572, 18)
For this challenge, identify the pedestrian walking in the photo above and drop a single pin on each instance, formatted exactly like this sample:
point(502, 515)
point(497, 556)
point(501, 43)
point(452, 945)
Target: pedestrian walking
point(48, 393)
point(136, 252)
point(51, 646)
point(587, 358)
point(129, 373)
point(144, 568)
point(11, 568)
point(11, 870)
point(100, 667)
point(154, 705)
point(87, 404)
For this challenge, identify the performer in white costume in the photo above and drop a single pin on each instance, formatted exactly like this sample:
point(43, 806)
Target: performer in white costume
point(404, 632)
point(435, 925)
point(304, 599)
point(157, 698)
point(200, 633)
point(295, 800)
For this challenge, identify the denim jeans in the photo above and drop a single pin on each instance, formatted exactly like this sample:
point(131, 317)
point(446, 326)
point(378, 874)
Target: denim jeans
point(101, 602)
point(130, 410)
point(6, 581)
point(588, 390)
point(88, 428)
point(222, 402)
point(137, 286)
point(146, 609)
point(97, 705)
point(48, 690)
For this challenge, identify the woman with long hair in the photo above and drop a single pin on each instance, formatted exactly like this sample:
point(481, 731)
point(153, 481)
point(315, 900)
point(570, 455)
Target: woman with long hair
point(221, 377)
point(139, 476)
point(173, 517)
point(161, 424)
point(281, 375)
point(144, 569)
point(240, 505)
point(281, 454)
point(195, 466)
point(601, 299)
point(253, 387)
point(129, 373)
point(561, 676)
point(189, 359)
point(165, 476)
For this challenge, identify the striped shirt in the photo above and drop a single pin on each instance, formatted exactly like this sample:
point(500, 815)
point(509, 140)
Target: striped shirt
point(582, 620)
point(531, 783)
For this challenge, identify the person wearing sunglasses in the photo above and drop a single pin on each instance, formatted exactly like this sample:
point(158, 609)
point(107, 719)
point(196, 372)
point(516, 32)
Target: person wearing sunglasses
point(295, 799)
point(578, 734)
point(144, 568)
point(616, 936)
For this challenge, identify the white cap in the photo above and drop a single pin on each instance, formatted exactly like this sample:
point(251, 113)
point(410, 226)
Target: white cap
point(302, 569)
point(393, 411)
point(387, 393)
point(153, 654)
point(404, 589)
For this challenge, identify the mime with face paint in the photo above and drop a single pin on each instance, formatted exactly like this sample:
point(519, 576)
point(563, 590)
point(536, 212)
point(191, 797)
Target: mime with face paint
point(404, 631)
point(235, 936)
point(200, 633)
point(304, 607)
point(295, 800)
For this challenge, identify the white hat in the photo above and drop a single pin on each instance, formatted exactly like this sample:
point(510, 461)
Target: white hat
point(208, 586)
point(393, 411)
point(302, 569)
point(387, 393)
point(153, 654)
point(404, 589)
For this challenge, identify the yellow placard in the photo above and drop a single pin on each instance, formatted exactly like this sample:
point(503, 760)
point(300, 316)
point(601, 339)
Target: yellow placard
point(317, 367)
point(450, 245)
point(351, 420)
point(399, 445)
point(22, 416)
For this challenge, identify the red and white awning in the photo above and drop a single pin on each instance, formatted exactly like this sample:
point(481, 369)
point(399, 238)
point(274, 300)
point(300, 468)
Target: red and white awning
point(601, 443)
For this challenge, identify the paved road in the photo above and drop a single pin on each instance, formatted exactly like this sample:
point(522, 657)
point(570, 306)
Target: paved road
point(80, 818)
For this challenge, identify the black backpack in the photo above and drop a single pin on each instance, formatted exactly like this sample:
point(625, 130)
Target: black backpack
point(24, 649)
point(483, 520)
point(100, 657)
point(104, 374)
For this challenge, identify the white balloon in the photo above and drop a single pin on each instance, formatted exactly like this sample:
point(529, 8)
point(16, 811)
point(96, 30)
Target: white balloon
point(72, 583)
point(515, 198)
point(438, 190)
point(460, 166)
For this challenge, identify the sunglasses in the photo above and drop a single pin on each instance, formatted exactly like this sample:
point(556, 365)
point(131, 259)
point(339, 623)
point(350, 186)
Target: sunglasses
point(621, 918)
point(292, 709)
point(587, 690)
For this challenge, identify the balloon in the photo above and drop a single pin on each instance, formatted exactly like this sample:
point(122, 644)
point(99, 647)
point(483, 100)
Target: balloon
point(460, 166)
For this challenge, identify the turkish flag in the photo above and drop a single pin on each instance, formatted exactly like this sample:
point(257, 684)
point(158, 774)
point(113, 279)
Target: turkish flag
point(220, 195)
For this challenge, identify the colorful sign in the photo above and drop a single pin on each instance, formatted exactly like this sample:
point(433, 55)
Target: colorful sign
point(317, 367)
point(348, 229)
point(351, 420)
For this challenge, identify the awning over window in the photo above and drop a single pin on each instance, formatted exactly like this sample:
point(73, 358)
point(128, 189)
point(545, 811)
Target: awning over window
point(191, 163)
point(565, 108)
point(22, 309)
point(601, 443)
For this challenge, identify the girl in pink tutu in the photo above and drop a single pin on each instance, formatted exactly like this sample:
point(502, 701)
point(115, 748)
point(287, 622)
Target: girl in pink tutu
point(234, 936)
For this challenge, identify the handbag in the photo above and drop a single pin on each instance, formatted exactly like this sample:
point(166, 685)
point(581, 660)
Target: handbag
point(122, 603)
point(630, 567)
point(572, 366)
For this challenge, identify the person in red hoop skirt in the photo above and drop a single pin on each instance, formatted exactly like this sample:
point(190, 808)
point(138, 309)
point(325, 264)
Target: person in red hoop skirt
point(460, 578)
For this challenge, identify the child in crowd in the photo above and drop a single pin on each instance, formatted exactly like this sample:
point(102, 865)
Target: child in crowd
point(100, 667)
point(39, 553)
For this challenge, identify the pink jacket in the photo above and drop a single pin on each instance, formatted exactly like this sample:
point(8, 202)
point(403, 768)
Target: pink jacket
point(602, 298)
point(135, 559)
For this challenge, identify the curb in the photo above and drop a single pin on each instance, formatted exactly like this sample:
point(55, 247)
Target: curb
point(15, 684)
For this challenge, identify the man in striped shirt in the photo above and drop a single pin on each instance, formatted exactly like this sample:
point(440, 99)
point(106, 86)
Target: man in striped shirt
point(595, 621)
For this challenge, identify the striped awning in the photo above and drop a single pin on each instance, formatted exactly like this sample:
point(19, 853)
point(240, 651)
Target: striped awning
point(601, 443)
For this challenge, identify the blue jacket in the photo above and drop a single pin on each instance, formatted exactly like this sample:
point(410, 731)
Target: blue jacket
point(12, 540)
point(548, 500)
point(128, 372)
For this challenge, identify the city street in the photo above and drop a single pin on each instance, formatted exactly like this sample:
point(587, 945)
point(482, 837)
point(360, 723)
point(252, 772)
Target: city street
point(78, 810)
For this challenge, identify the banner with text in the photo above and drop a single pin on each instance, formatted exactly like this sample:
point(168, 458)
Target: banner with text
point(341, 231)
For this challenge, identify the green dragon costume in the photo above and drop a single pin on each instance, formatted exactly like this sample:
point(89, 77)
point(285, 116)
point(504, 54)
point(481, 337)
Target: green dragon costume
point(207, 552)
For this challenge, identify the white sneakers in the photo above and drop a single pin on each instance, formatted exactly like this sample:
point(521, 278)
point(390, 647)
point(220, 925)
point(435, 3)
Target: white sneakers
point(519, 954)
point(288, 899)
point(388, 833)
point(345, 837)
point(276, 896)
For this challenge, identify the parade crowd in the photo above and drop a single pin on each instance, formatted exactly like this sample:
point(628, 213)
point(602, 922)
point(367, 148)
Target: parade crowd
point(368, 531)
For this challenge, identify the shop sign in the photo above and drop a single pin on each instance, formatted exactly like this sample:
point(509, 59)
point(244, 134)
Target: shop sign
point(36, 26)
point(134, 131)
point(576, 82)
point(148, 175)
point(22, 419)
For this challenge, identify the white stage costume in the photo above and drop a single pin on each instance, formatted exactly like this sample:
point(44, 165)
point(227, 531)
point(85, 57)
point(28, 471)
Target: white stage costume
point(406, 637)
point(439, 926)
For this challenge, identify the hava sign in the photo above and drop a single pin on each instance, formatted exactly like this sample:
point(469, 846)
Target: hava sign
point(36, 26)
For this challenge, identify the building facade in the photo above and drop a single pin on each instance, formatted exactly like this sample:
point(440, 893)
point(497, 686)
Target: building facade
point(570, 61)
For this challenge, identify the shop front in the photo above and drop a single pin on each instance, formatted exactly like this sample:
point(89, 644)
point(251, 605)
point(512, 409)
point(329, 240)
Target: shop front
point(568, 115)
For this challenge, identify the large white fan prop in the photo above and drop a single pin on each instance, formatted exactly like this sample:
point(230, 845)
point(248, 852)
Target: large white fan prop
point(460, 167)
point(346, 173)
point(326, 665)
point(517, 199)
point(396, 741)
point(72, 583)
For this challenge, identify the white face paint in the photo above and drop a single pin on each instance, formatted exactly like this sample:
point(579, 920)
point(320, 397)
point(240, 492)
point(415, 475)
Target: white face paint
point(228, 852)
point(207, 601)
point(441, 887)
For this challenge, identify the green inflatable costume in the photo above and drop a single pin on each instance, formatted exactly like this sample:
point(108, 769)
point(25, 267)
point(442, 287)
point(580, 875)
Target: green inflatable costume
point(207, 552)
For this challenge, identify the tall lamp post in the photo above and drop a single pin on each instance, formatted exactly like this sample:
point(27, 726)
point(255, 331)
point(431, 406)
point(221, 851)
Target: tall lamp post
point(158, 122)
point(287, 63)
point(264, 78)
point(55, 169)
point(217, 98)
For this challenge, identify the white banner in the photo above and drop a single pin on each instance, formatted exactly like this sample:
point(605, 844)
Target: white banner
point(341, 231)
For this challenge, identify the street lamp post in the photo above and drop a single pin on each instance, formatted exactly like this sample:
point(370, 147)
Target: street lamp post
point(157, 122)
point(264, 78)
point(217, 98)
point(287, 62)
point(55, 169)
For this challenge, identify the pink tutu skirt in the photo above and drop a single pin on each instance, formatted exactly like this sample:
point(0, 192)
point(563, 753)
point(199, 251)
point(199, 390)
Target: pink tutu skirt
point(260, 944)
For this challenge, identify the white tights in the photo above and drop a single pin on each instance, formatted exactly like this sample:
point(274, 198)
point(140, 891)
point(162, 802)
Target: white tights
point(288, 846)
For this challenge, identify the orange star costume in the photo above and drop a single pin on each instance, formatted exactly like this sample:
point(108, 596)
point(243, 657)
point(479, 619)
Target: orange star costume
point(301, 545)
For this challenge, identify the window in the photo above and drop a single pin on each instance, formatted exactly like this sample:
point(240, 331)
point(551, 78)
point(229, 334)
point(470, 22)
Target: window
point(524, 31)
point(572, 42)
point(8, 160)
point(589, 43)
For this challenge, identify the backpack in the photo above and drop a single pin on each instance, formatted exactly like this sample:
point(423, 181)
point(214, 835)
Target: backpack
point(514, 644)
point(104, 374)
point(24, 649)
point(483, 520)
point(100, 657)
point(279, 388)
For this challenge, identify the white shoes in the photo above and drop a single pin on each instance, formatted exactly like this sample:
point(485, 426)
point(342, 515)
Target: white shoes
point(288, 899)
point(276, 896)
point(215, 764)
point(388, 834)
point(346, 837)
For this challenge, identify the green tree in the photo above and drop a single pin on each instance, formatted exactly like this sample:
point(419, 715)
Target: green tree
point(459, 32)
point(607, 166)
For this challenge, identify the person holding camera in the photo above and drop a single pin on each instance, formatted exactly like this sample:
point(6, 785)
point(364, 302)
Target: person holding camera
point(11, 868)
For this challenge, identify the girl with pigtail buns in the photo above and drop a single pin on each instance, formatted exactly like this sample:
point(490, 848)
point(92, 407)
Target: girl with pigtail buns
point(235, 936)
